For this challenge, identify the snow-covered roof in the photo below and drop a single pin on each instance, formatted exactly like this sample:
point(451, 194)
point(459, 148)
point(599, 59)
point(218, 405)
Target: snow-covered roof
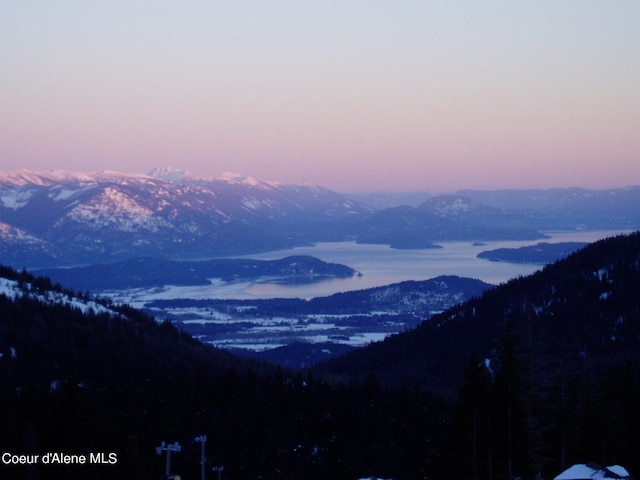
point(593, 472)
point(619, 470)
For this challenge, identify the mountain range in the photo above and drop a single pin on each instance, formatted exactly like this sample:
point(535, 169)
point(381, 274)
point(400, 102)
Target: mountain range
point(60, 218)
point(568, 208)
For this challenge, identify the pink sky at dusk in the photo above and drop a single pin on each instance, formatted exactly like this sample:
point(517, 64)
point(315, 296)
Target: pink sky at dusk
point(351, 95)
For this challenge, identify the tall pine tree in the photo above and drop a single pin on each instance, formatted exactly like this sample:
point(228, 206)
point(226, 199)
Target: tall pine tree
point(511, 435)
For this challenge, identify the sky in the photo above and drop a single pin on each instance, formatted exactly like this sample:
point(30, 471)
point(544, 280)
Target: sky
point(352, 95)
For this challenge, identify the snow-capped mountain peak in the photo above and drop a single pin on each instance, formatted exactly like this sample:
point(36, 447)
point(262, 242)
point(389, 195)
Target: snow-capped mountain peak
point(168, 173)
point(20, 178)
point(233, 177)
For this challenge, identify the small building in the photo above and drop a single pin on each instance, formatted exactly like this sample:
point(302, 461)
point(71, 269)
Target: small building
point(593, 471)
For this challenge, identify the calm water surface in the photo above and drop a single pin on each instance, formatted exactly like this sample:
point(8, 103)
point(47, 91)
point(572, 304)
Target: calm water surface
point(381, 265)
point(378, 264)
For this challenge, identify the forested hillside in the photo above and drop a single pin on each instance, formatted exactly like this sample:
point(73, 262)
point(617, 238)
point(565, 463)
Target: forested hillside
point(532, 376)
point(118, 382)
point(550, 361)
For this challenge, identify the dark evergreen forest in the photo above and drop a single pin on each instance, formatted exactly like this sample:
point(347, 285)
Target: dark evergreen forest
point(531, 377)
point(542, 372)
point(77, 384)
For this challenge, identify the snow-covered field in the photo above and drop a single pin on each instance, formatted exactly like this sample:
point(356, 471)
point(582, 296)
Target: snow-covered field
point(243, 329)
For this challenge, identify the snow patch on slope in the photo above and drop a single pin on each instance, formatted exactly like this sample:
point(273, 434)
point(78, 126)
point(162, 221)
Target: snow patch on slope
point(9, 233)
point(15, 198)
point(12, 290)
point(59, 193)
point(238, 178)
point(114, 209)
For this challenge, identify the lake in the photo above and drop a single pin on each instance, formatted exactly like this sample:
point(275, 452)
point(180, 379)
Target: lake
point(378, 264)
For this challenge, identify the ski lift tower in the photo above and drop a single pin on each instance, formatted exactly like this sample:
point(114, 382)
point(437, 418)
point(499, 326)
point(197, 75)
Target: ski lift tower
point(202, 439)
point(174, 447)
point(219, 470)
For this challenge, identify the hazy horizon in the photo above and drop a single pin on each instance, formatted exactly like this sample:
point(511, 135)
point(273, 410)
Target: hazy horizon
point(355, 96)
point(237, 176)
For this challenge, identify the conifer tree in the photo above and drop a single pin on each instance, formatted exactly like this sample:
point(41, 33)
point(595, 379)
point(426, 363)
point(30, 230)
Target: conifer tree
point(511, 436)
point(472, 423)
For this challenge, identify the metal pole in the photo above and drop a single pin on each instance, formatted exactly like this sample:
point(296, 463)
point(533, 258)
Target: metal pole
point(175, 447)
point(219, 470)
point(202, 439)
point(202, 458)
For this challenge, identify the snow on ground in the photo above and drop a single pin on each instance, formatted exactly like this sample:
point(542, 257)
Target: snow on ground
point(594, 472)
point(138, 297)
point(242, 329)
point(12, 290)
point(15, 199)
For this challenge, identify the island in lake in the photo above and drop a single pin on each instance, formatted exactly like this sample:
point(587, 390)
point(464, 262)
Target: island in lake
point(541, 253)
point(155, 272)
